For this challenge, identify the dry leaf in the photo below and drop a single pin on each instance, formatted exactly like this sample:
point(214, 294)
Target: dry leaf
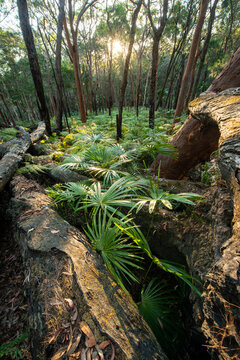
point(89, 355)
point(65, 325)
point(86, 329)
point(55, 231)
point(59, 354)
point(74, 316)
point(70, 339)
point(54, 337)
point(74, 345)
point(70, 303)
point(113, 352)
point(55, 303)
point(100, 353)
point(83, 354)
point(67, 273)
point(95, 356)
point(104, 344)
point(91, 342)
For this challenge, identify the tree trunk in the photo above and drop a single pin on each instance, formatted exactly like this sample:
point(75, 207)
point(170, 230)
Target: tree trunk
point(155, 55)
point(73, 51)
point(153, 82)
point(190, 62)
point(5, 121)
point(2, 97)
point(195, 141)
point(59, 78)
point(126, 69)
point(205, 47)
point(33, 61)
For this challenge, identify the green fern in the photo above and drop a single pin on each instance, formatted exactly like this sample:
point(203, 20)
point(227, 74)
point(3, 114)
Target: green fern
point(12, 348)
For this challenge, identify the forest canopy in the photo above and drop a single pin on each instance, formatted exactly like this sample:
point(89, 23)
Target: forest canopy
point(95, 54)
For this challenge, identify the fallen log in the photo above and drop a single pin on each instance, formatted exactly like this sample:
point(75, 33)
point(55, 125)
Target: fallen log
point(14, 152)
point(61, 268)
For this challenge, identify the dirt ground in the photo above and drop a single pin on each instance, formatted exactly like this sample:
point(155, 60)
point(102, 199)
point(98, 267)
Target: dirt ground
point(13, 304)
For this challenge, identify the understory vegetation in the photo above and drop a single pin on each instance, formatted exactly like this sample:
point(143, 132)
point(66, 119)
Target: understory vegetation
point(116, 185)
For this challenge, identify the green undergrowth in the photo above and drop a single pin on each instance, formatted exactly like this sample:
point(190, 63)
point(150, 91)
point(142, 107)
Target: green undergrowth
point(104, 206)
point(13, 348)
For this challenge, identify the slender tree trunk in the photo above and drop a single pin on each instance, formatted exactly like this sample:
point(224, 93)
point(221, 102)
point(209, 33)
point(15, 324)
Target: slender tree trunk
point(2, 97)
point(134, 99)
point(58, 60)
point(155, 55)
point(153, 81)
point(198, 52)
point(176, 51)
point(126, 69)
point(179, 80)
point(5, 121)
point(33, 61)
point(10, 100)
point(190, 62)
point(74, 54)
point(205, 48)
point(139, 76)
point(110, 85)
point(230, 28)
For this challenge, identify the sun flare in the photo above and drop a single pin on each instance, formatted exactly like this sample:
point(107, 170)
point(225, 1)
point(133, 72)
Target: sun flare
point(118, 47)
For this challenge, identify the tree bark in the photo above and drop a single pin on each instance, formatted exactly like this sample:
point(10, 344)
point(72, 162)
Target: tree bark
point(196, 140)
point(33, 61)
point(190, 62)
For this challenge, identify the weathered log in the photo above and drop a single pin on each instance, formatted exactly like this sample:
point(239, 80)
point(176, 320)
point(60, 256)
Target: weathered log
point(14, 153)
point(62, 175)
point(195, 141)
point(221, 297)
point(38, 133)
point(61, 264)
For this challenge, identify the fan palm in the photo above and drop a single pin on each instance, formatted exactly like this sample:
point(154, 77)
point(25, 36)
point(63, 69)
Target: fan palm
point(118, 253)
point(119, 194)
point(133, 231)
point(103, 162)
point(157, 306)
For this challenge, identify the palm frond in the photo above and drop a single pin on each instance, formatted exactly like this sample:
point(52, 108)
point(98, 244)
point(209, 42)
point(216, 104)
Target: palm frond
point(32, 168)
point(117, 252)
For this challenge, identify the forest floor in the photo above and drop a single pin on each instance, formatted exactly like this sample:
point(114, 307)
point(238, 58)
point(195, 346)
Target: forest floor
point(94, 144)
point(13, 303)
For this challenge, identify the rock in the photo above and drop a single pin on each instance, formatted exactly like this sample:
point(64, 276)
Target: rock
point(60, 264)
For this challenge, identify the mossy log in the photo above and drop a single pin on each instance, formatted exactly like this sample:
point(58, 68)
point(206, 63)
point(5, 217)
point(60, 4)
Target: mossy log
point(60, 264)
point(14, 152)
